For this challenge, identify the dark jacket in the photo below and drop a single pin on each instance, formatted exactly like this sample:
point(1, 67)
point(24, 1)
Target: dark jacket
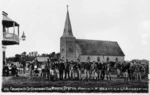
point(99, 66)
point(61, 67)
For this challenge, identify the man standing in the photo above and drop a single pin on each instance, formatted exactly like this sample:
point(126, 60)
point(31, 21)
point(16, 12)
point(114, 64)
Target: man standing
point(82, 71)
point(31, 69)
point(103, 70)
point(87, 70)
point(66, 69)
point(125, 71)
point(61, 68)
point(140, 70)
point(47, 70)
point(79, 69)
point(108, 70)
point(76, 70)
point(71, 69)
point(99, 69)
point(118, 66)
point(24, 65)
point(14, 70)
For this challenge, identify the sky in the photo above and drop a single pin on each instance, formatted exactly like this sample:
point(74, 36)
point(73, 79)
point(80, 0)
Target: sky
point(124, 21)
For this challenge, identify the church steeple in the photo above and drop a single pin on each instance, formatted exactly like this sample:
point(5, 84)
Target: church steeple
point(67, 28)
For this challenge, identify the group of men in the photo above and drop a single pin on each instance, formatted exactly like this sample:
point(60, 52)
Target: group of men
point(130, 70)
point(64, 70)
point(60, 70)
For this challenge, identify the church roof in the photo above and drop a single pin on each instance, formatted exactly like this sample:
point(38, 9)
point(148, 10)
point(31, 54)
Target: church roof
point(98, 47)
point(67, 28)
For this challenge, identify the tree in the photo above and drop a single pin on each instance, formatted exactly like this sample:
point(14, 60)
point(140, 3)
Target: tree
point(58, 56)
point(17, 58)
point(24, 54)
point(10, 59)
point(53, 54)
point(44, 54)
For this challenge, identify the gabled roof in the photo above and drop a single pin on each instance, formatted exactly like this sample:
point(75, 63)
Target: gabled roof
point(67, 28)
point(98, 47)
point(41, 58)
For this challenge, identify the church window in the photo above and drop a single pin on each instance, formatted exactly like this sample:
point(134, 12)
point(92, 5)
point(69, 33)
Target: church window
point(98, 58)
point(88, 59)
point(107, 59)
point(71, 48)
point(78, 60)
point(116, 59)
point(62, 50)
point(63, 58)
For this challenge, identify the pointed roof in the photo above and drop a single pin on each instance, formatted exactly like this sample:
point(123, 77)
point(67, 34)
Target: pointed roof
point(8, 22)
point(99, 47)
point(67, 28)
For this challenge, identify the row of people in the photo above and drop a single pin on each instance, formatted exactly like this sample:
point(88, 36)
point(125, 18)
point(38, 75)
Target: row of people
point(130, 70)
point(12, 71)
point(76, 70)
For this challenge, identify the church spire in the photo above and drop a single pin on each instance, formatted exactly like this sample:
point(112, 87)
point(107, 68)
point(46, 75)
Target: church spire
point(67, 28)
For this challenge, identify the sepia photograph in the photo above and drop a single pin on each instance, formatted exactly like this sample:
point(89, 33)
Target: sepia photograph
point(75, 46)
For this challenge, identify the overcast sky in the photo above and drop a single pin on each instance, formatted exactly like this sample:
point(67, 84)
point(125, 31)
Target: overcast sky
point(124, 21)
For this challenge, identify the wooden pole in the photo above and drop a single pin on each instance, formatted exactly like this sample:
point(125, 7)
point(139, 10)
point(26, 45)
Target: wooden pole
point(18, 30)
point(14, 27)
point(13, 30)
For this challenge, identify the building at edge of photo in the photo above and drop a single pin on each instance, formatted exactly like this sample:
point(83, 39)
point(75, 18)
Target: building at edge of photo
point(84, 50)
point(10, 33)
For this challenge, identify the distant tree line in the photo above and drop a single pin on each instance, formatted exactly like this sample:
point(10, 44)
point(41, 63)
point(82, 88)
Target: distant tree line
point(29, 57)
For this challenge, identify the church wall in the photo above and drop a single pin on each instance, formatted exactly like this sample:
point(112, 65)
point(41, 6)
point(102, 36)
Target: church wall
point(68, 48)
point(83, 58)
point(63, 48)
point(78, 52)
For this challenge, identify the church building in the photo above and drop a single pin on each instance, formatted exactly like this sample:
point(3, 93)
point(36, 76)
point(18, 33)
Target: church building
point(73, 49)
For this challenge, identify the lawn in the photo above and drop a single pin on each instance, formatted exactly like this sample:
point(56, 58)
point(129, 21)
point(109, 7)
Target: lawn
point(38, 84)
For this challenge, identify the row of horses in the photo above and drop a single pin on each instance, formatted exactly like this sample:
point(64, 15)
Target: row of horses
point(92, 70)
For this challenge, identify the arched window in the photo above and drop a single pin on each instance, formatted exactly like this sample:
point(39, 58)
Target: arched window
point(98, 59)
point(88, 59)
point(116, 59)
point(107, 59)
point(62, 50)
point(78, 60)
point(63, 58)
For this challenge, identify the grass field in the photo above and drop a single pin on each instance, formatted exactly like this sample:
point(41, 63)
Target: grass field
point(38, 84)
